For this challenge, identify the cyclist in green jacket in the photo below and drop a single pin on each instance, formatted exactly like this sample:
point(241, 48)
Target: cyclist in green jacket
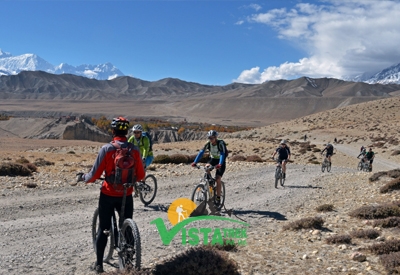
point(143, 142)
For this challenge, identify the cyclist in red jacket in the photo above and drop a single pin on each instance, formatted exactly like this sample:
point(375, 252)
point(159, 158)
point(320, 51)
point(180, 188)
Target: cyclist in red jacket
point(111, 194)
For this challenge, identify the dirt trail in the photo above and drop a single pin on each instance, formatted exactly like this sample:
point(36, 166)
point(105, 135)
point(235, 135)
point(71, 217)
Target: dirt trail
point(48, 231)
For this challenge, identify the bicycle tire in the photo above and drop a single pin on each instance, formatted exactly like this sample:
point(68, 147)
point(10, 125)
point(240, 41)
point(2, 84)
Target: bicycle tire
point(328, 167)
point(145, 197)
point(278, 175)
point(222, 194)
point(323, 167)
point(360, 166)
point(108, 251)
point(199, 195)
point(129, 255)
point(282, 180)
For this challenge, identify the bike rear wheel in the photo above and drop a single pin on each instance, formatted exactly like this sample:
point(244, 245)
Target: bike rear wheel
point(323, 167)
point(129, 254)
point(222, 193)
point(108, 251)
point(148, 189)
point(199, 195)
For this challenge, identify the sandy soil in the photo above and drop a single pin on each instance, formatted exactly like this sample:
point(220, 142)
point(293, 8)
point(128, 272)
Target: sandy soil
point(46, 230)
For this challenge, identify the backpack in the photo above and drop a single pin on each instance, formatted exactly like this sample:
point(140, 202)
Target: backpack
point(147, 134)
point(221, 145)
point(124, 164)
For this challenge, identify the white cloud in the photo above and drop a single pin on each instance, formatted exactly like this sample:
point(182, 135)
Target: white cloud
point(340, 37)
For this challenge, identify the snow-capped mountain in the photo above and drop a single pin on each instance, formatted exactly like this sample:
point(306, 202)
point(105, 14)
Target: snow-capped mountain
point(389, 75)
point(11, 65)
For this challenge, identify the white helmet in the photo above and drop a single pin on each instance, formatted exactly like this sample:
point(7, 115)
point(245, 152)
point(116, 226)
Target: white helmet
point(283, 141)
point(137, 127)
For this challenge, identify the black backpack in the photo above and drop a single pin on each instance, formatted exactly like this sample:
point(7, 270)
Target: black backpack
point(221, 146)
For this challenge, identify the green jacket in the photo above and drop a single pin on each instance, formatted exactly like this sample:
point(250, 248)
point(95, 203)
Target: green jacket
point(143, 144)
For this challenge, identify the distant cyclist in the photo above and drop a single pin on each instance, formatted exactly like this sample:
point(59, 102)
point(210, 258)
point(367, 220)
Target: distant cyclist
point(370, 155)
point(363, 152)
point(329, 152)
point(143, 142)
point(218, 153)
point(283, 152)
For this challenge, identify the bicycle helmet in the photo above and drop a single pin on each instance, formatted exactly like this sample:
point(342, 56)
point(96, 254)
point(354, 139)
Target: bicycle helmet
point(212, 133)
point(137, 127)
point(283, 141)
point(120, 123)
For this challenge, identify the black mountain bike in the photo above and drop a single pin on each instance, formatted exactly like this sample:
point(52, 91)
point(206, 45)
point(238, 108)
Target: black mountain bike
point(279, 174)
point(123, 237)
point(146, 190)
point(326, 164)
point(207, 188)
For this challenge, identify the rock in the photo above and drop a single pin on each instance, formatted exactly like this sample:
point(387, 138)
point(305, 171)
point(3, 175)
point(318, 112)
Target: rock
point(358, 257)
point(305, 257)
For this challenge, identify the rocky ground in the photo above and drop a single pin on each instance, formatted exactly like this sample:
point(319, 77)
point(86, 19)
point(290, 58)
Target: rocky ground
point(46, 229)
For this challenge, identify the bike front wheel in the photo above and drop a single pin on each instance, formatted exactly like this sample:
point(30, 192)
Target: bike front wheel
point(328, 167)
point(222, 193)
point(360, 166)
point(129, 254)
point(108, 251)
point(148, 189)
point(199, 195)
point(323, 167)
point(278, 176)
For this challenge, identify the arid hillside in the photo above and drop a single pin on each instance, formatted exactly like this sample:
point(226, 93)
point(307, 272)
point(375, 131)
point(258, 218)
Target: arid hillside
point(39, 94)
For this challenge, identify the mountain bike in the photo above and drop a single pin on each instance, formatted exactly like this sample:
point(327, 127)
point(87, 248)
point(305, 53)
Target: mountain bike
point(123, 237)
point(207, 188)
point(146, 189)
point(326, 164)
point(279, 174)
point(363, 165)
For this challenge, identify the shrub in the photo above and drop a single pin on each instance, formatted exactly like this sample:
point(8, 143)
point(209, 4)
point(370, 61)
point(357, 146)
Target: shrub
point(71, 152)
point(228, 245)
point(14, 169)
point(391, 261)
point(198, 260)
point(395, 153)
point(325, 208)
point(370, 212)
point(305, 223)
point(365, 234)
point(178, 158)
point(238, 158)
point(30, 185)
point(387, 223)
point(336, 239)
point(395, 173)
point(390, 186)
point(315, 149)
point(385, 247)
point(22, 160)
point(162, 159)
point(42, 162)
point(32, 167)
point(314, 162)
point(254, 158)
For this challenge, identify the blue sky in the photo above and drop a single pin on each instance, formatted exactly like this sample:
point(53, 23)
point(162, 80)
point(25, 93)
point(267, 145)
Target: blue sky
point(209, 42)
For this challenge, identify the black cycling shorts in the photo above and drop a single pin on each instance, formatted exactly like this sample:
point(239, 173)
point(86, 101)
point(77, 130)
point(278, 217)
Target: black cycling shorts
point(371, 161)
point(220, 172)
point(282, 160)
point(328, 155)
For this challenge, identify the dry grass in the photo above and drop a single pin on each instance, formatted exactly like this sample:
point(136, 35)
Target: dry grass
point(365, 234)
point(325, 208)
point(339, 239)
point(390, 186)
point(305, 223)
point(387, 223)
point(391, 262)
point(370, 212)
point(384, 247)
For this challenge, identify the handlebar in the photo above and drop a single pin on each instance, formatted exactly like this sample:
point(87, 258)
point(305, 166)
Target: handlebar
point(206, 168)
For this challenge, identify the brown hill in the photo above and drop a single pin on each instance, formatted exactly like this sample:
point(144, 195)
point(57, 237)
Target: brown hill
point(41, 94)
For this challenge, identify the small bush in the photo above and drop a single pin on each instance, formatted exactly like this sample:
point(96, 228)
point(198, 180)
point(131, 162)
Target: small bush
point(325, 208)
point(238, 158)
point(71, 152)
point(385, 247)
point(387, 223)
point(390, 186)
point(22, 160)
point(31, 167)
point(395, 153)
point(14, 169)
point(178, 158)
point(42, 162)
point(365, 234)
point(305, 223)
point(314, 162)
point(391, 261)
point(228, 245)
point(198, 260)
point(337, 239)
point(162, 159)
point(254, 158)
point(376, 212)
point(30, 185)
point(315, 149)
point(395, 173)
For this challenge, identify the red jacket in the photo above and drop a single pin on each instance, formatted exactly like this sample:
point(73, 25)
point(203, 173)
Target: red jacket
point(105, 162)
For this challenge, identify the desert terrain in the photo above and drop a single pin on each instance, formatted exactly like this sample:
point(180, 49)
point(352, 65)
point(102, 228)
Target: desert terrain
point(46, 217)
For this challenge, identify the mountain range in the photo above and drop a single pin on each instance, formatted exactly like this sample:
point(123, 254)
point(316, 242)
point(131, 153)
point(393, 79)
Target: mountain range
point(11, 65)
